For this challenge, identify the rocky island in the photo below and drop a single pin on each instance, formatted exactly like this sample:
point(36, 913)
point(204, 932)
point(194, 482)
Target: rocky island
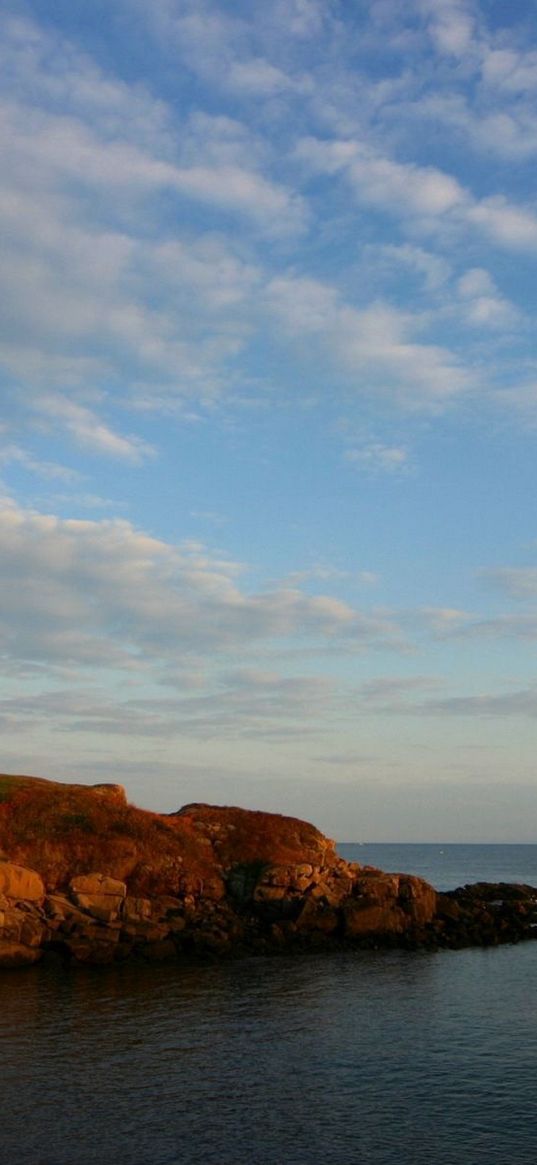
point(87, 877)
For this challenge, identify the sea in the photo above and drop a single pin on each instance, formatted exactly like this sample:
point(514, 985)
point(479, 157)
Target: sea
point(346, 1058)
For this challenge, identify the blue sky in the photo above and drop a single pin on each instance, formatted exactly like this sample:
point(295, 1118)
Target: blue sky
point(269, 407)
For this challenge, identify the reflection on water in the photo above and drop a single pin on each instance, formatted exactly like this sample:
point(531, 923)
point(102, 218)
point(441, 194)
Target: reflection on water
point(390, 1058)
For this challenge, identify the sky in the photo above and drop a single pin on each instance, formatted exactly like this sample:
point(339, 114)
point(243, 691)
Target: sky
point(268, 425)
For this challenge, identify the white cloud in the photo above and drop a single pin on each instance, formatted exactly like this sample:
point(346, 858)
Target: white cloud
point(403, 188)
point(239, 704)
point(15, 455)
point(486, 123)
point(507, 225)
point(64, 150)
point(88, 430)
point(445, 621)
point(510, 70)
point(228, 51)
point(452, 623)
point(368, 578)
point(521, 703)
point(91, 304)
point(451, 26)
point(413, 696)
point(508, 133)
point(301, 18)
point(490, 311)
point(103, 300)
point(433, 269)
point(483, 305)
point(86, 259)
point(258, 77)
point(475, 282)
point(390, 693)
point(269, 204)
point(429, 197)
point(58, 75)
point(519, 582)
point(105, 594)
point(374, 346)
point(521, 627)
point(377, 457)
point(76, 501)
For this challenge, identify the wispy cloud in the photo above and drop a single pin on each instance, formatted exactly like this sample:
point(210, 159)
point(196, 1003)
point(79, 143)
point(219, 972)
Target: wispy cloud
point(377, 457)
point(88, 430)
point(240, 705)
point(103, 593)
point(380, 181)
point(483, 305)
point(452, 27)
point(95, 298)
point(148, 241)
point(519, 582)
point(427, 195)
point(15, 455)
point(374, 346)
point(521, 703)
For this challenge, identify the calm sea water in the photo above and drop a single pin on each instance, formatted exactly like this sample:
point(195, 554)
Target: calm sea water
point(449, 866)
point(365, 1058)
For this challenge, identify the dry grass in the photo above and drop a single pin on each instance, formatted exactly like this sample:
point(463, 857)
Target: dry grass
point(61, 830)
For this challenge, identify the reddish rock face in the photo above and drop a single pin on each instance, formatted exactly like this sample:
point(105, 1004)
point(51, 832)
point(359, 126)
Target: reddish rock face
point(245, 835)
point(100, 895)
point(418, 899)
point(20, 884)
point(388, 904)
point(65, 830)
point(362, 921)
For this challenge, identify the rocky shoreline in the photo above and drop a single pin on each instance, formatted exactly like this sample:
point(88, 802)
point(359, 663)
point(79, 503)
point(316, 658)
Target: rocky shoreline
point(88, 879)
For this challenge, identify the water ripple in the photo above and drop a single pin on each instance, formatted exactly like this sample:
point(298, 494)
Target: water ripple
point(394, 1059)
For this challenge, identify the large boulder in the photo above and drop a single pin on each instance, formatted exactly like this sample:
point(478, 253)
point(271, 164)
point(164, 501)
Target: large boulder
point(388, 904)
point(20, 883)
point(99, 895)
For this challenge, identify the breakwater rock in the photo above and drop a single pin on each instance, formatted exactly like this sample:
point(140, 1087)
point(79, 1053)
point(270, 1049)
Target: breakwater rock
point(89, 878)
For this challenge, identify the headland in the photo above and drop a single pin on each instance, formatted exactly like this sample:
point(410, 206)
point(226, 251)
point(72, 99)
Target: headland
point(87, 878)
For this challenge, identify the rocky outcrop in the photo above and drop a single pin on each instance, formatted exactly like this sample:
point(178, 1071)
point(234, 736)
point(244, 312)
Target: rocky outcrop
point(23, 930)
point(264, 908)
point(486, 914)
point(103, 881)
point(388, 904)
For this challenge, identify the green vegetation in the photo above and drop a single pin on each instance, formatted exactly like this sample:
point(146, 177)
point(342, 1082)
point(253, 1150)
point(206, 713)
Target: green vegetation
point(11, 785)
point(243, 879)
point(128, 827)
point(71, 821)
point(7, 788)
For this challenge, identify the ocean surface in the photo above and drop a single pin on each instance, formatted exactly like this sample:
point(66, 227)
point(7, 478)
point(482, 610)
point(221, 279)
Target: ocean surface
point(449, 866)
point(366, 1058)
